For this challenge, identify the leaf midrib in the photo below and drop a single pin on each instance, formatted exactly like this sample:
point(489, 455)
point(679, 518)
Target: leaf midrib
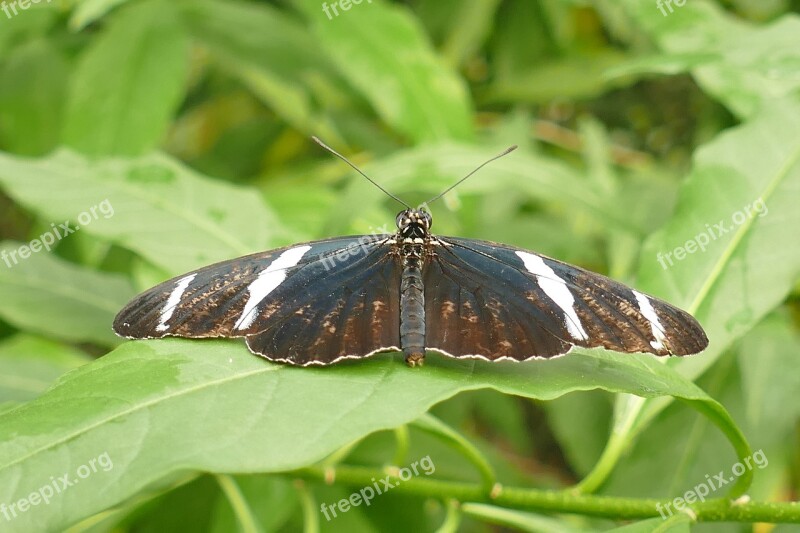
point(199, 223)
point(69, 294)
point(742, 230)
point(135, 408)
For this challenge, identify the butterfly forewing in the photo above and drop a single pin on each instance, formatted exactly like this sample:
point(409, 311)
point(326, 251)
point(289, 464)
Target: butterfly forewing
point(237, 298)
point(535, 306)
point(475, 307)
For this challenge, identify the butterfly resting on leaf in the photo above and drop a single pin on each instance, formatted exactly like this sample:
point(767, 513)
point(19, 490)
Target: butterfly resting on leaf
point(322, 302)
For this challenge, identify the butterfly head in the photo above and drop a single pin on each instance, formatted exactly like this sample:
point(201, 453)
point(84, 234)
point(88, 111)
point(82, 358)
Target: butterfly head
point(414, 223)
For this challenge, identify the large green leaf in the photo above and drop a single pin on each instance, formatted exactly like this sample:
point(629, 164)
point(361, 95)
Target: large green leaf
point(88, 11)
point(652, 470)
point(748, 180)
point(128, 82)
point(172, 216)
point(29, 365)
point(31, 97)
point(271, 53)
point(382, 50)
point(742, 64)
point(739, 275)
point(433, 168)
point(48, 295)
point(161, 407)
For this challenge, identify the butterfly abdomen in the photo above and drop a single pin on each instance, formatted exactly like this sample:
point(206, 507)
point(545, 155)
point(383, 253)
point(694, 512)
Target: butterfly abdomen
point(412, 304)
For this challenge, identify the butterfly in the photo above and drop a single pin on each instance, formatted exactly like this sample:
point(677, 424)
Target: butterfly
point(325, 301)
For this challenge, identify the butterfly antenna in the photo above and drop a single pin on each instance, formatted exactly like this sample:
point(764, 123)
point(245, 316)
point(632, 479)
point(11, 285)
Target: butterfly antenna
point(453, 186)
point(343, 158)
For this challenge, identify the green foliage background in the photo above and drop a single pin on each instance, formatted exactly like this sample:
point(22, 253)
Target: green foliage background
point(640, 127)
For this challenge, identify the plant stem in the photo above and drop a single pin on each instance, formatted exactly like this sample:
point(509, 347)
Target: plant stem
point(247, 522)
point(569, 501)
point(430, 424)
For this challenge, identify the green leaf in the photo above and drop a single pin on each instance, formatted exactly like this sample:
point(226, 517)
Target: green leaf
point(31, 97)
point(29, 364)
point(128, 82)
point(88, 11)
point(742, 64)
point(382, 50)
point(432, 168)
point(740, 274)
point(172, 216)
point(764, 356)
point(748, 179)
point(271, 53)
point(685, 466)
point(578, 76)
point(143, 403)
point(469, 24)
point(48, 295)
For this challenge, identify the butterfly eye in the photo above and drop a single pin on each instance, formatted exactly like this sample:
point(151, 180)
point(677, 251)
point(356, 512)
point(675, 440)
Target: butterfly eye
point(428, 219)
point(401, 220)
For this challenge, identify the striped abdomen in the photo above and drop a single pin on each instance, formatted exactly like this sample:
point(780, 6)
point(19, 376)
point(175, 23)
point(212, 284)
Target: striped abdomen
point(412, 310)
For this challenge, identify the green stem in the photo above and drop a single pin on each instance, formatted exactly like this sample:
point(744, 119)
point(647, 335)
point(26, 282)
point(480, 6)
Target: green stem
point(401, 452)
point(452, 519)
point(627, 425)
point(434, 426)
point(241, 509)
point(309, 507)
point(619, 508)
point(615, 445)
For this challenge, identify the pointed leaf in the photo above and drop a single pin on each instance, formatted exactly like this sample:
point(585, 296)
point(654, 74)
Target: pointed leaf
point(161, 407)
point(172, 216)
point(48, 295)
point(383, 51)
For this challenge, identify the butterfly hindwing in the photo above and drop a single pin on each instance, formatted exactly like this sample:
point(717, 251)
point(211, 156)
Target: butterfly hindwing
point(511, 303)
point(350, 312)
